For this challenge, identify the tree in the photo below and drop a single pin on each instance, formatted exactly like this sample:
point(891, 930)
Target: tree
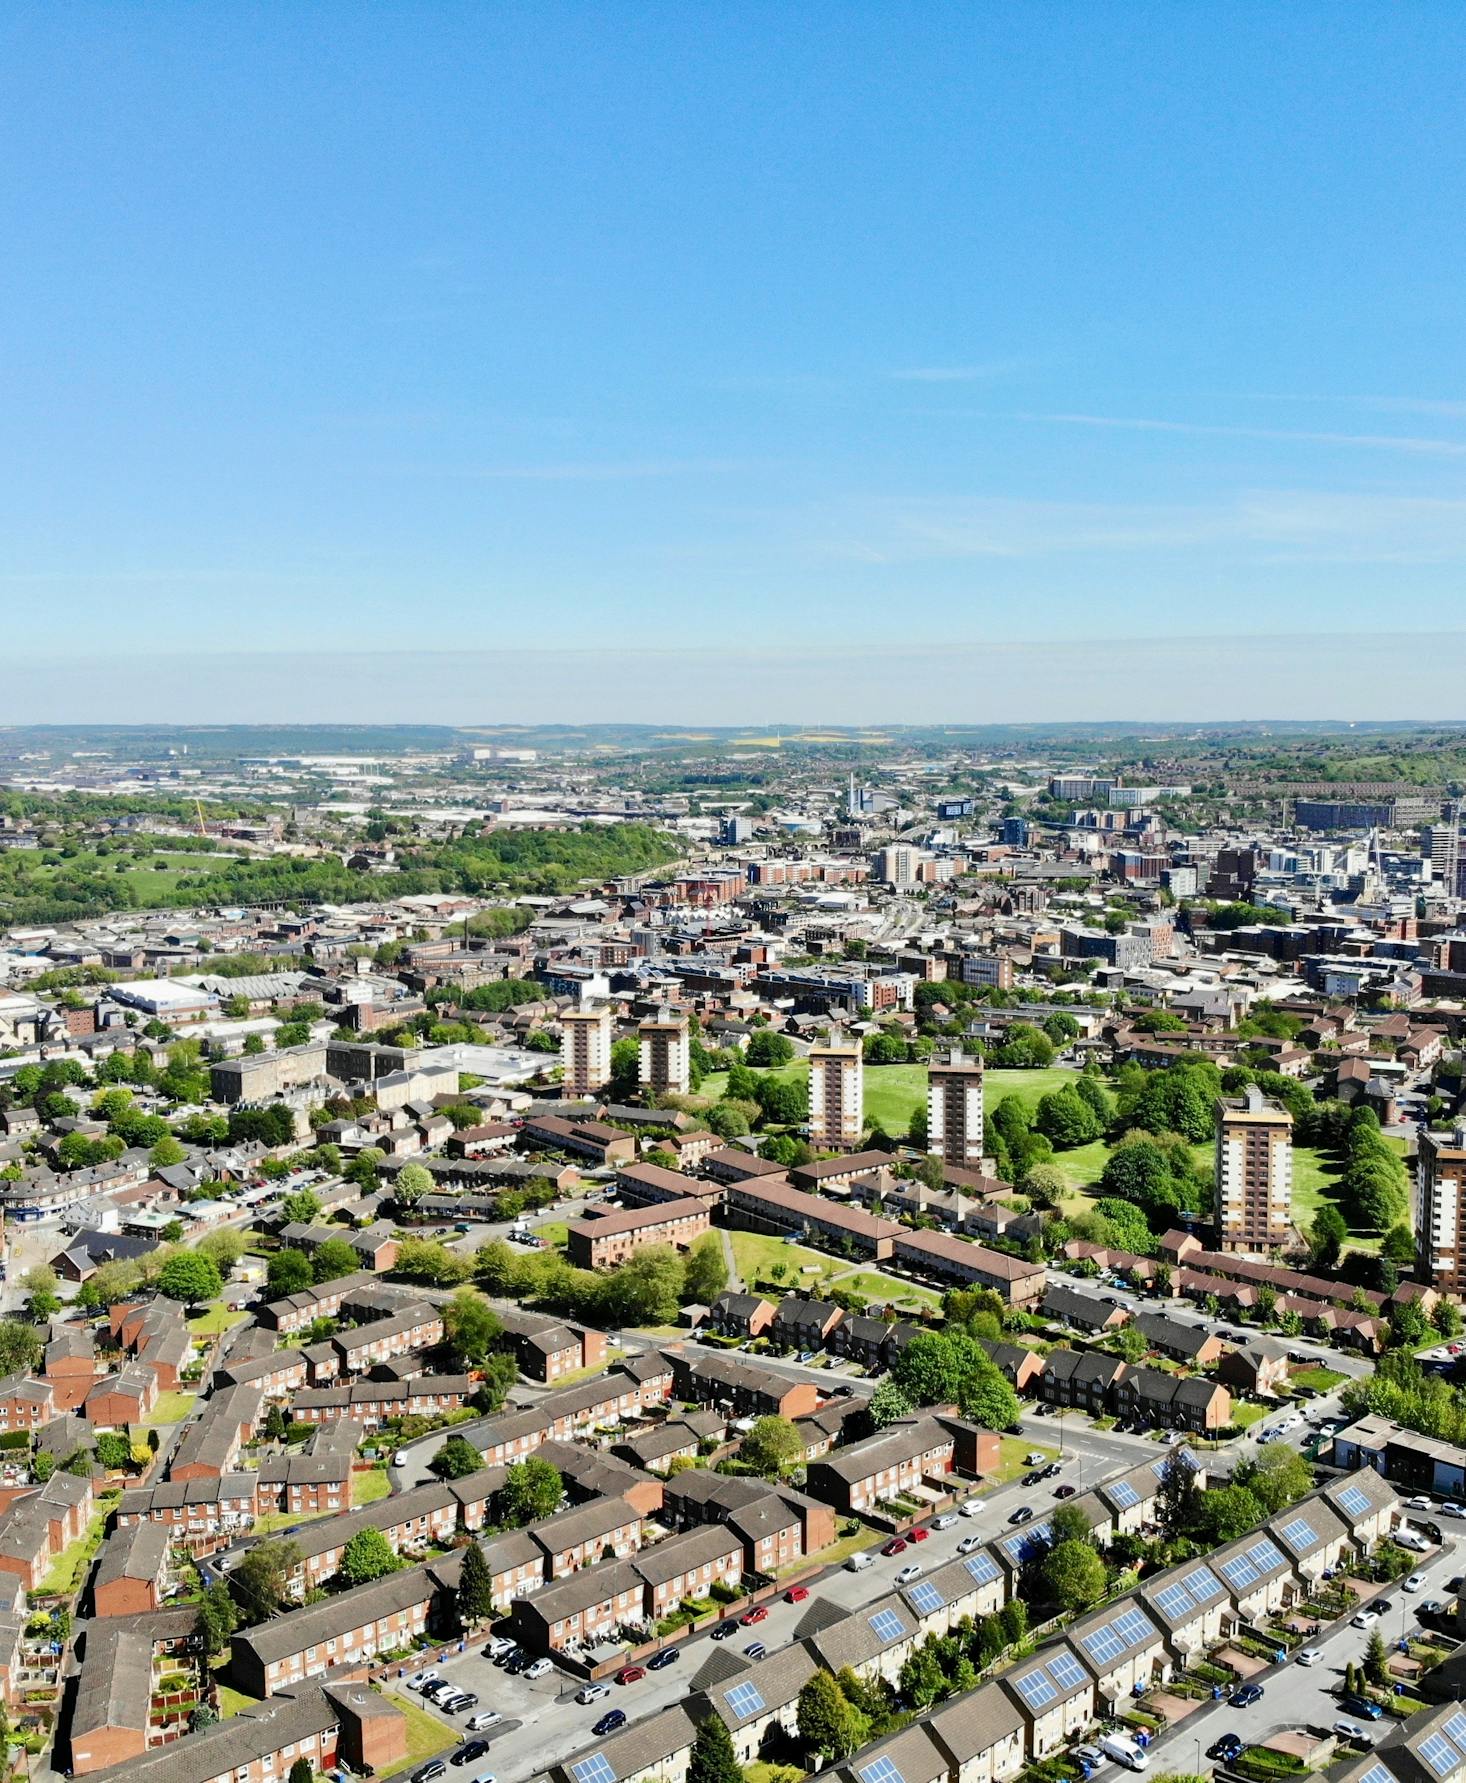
point(456, 1459)
point(704, 1270)
point(922, 1678)
point(1069, 1524)
point(1046, 1185)
point(113, 1449)
point(167, 1151)
point(471, 1327)
point(260, 1583)
point(1066, 1119)
point(21, 1347)
point(532, 1491)
point(646, 1289)
point(1398, 1244)
point(985, 1397)
point(1178, 1495)
point(410, 1184)
point(223, 1248)
point(217, 1618)
point(1326, 1237)
point(1277, 1476)
point(1445, 1315)
point(772, 1446)
point(713, 1759)
point(886, 1405)
point(827, 1723)
point(190, 1277)
point(300, 1207)
point(1223, 1513)
point(1376, 1659)
point(289, 1272)
point(1408, 1326)
point(367, 1556)
point(301, 1772)
point(929, 1369)
point(332, 1260)
point(277, 1425)
point(1072, 1576)
point(475, 1587)
point(766, 1048)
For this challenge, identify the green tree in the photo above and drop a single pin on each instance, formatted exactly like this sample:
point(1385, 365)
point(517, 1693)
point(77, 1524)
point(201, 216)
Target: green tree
point(985, 1397)
point(1066, 1119)
point(190, 1278)
point(410, 1184)
point(531, 1492)
point(1376, 1660)
point(456, 1459)
point(21, 1347)
point(1223, 1513)
point(260, 1583)
point(886, 1405)
point(301, 1772)
point(772, 1447)
point(217, 1618)
point(1326, 1237)
point(300, 1207)
point(922, 1678)
point(475, 1587)
point(1445, 1315)
point(1072, 1576)
point(471, 1327)
point(713, 1759)
point(167, 1151)
point(827, 1723)
point(367, 1556)
point(288, 1272)
point(704, 1270)
point(1277, 1476)
point(332, 1260)
point(113, 1449)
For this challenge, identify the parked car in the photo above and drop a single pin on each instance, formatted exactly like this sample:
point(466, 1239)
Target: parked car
point(1022, 1515)
point(1032, 1479)
point(755, 1649)
point(660, 1661)
point(420, 1680)
point(592, 1693)
point(1064, 1491)
point(1245, 1696)
point(969, 1508)
point(1034, 1458)
point(918, 1535)
point(439, 1688)
point(1414, 1583)
point(426, 1772)
point(1308, 1655)
point(1052, 1471)
point(796, 1594)
point(1365, 1619)
point(908, 1575)
point(1451, 1509)
point(945, 1521)
point(491, 1718)
point(726, 1630)
point(541, 1668)
point(517, 1663)
point(1432, 1607)
point(1226, 1748)
point(499, 1646)
point(631, 1674)
point(610, 1721)
point(458, 1702)
point(1419, 1503)
point(969, 1544)
point(896, 1547)
point(1351, 1730)
point(757, 1614)
point(1360, 1705)
point(466, 1754)
point(857, 1563)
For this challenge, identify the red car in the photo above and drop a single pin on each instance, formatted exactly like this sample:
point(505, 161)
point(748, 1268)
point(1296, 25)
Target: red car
point(895, 1547)
point(756, 1614)
point(918, 1535)
point(796, 1594)
point(631, 1674)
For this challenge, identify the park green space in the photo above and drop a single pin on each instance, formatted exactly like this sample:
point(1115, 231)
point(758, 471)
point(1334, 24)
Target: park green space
point(894, 1092)
point(757, 1255)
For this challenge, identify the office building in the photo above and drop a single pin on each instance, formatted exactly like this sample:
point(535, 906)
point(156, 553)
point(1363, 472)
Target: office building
point(1440, 1208)
point(836, 1094)
point(1254, 1172)
point(665, 1054)
point(954, 1115)
point(585, 1050)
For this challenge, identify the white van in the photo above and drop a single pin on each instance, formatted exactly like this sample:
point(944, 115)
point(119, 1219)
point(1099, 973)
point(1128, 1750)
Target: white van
point(1124, 1751)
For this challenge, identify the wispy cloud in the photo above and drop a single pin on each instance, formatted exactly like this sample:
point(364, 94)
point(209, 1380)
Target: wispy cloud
point(955, 374)
point(1382, 442)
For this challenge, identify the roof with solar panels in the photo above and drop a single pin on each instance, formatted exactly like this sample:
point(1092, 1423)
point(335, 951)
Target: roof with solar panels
point(1048, 1680)
point(1244, 1566)
point(863, 1634)
point(1115, 1635)
point(634, 1749)
point(758, 1690)
point(911, 1756)
point(1362, 1495)
point(1184, 1593)
point(1306, 1527)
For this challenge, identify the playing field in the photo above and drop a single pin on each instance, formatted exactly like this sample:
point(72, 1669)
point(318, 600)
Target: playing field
point(894, 1092)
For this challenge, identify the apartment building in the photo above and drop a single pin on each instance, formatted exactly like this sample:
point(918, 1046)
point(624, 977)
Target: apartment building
point(585, 1050)
point(593, 1140)
point(132, 1572)
point(769, 1204)
point(604, 1238)
point(1440, 1208)
point(666, 1059)
point(897, 1460)
point(371, 1403)
point(417, 1327)
point(1254, 1172)
point(939, 1255)
point(581, 1537)
point(836, 1094)
point(954, 1110)
point(200, 1515)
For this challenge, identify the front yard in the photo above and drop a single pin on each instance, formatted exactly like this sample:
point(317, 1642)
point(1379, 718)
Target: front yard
point(425, 1736)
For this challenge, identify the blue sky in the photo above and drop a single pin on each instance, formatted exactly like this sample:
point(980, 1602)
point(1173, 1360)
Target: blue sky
point(773, 362)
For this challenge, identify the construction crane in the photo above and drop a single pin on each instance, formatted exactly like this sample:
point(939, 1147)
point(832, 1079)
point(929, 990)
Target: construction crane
point(203, 827)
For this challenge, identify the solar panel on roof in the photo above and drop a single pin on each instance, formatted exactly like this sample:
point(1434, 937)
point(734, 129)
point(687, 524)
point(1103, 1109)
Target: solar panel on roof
point(1124, 1494)
point(1456, 1730)
point(1203, 1585)
point(1376, 1774)
point(926, 1597)
point(1239, 1572)
point(1103, 1645)
point(880, 1770)
point(1298, 1532)
point(1036, 1690)
point(1440, 1755)
point(983, 1568)
point(1175, 1601)
point(1264, 1556)
point(887, 1625)
point(1132, 1627)
point(1355, 1501)
point(594, 1769)
point(1067, 1670)
point(745, 1700)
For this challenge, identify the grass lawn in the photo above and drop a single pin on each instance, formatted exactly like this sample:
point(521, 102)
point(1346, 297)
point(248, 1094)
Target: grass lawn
point(425, 1736)
point(1322, 1380)
point(172, 1408)
point(576, 1375)
point(882, 1288)
point(216, 1318)
point(274, 1521)
point(837, 1553)
point(760, 1771)
point(893, 1092)
point(368, 1488)
point(1316, 1181)
point(554, 1233)
point(1011, 1465)
point(756, 1254)
point(231, 1701)
point(1244, 1416)
point(67, 1570)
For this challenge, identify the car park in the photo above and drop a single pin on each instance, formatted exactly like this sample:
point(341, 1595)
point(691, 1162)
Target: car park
point(610, 1721)
point(631, 1674)
point(660, 1661)
point(517, 1663)
point(420, 1680)
point(466, 1754)
point(908, 1575)
point(499, 1646)
point(489, 1718)
point(1308, 1655)
point(540, 1668)
point(1246, 1696)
